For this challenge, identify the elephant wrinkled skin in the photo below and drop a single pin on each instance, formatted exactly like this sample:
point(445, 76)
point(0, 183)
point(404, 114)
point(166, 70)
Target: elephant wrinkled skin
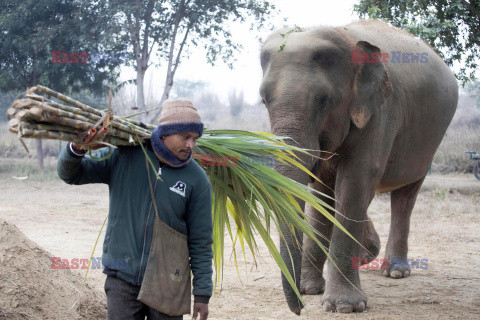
point(342, 90)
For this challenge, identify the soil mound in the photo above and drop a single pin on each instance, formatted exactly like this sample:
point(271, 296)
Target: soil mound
point(31, 289)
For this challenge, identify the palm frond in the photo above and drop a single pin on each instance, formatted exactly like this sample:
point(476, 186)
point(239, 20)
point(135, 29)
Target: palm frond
point(256, 196)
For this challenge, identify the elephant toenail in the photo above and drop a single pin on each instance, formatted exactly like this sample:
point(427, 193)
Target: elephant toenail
point(407, 273)
point(327, 306)
point(360, 307)
point(385, 273)
point(344, 308)
point(397, 274)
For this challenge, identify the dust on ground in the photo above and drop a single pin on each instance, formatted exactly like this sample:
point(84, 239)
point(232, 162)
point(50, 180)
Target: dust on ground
point(31, 289)
point(65, 221)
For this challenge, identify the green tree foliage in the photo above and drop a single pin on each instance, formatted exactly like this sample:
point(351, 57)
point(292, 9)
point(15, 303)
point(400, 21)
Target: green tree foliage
point(173, 27)
point(30, 30)
point(452, 27)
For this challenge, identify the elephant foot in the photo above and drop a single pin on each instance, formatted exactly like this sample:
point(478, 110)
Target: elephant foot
point(345, 301)
point(396, 268)
point(311, 282)
point(371, 241)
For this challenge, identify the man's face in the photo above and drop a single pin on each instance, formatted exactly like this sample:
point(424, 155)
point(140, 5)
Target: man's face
point(181, 144)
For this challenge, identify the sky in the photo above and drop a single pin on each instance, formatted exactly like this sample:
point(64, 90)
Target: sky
point(246, 75)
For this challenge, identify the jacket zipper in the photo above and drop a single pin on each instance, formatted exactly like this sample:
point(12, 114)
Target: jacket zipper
point(145, 232)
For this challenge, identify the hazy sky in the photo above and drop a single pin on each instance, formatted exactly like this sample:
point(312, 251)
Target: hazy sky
point(246, 75)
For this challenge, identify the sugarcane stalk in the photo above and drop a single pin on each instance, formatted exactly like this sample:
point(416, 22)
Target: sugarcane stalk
point(27, 115)
point(38, 117)
point(55, 113)
point(68, 100)
point(94, 117)
point(50, 127)
point(87, 108)
point(22, 103)
point(55, 135)
point(137, 125)
point(11, 112)
point(68, 111)
point(44, 134)
point(14, 122)
point(33, 114)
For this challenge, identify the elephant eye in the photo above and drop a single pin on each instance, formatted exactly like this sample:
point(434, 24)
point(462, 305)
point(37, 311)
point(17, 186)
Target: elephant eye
point(325, 58)
point(323, 102)
point(265, 93)
point(265, 100)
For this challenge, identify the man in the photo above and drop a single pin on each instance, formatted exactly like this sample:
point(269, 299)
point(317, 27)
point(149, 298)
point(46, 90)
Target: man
point(183, 200)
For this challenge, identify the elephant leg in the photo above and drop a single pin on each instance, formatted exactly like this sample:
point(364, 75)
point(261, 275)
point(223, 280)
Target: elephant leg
point(402, 202)
point(371, 241)
point(313, 259)
point(355, 189)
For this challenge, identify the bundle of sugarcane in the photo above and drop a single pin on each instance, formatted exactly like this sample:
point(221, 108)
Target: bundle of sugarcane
point(35, 116)
point(251, 193)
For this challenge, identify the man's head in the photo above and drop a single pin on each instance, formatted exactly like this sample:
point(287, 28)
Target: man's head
point(179, 127)
point(181, 144)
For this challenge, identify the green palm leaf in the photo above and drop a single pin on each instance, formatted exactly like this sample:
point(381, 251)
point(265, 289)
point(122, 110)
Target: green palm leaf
point(255, 196)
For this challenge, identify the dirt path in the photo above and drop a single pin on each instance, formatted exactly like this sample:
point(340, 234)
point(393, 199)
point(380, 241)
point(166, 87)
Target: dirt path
point(65, 221)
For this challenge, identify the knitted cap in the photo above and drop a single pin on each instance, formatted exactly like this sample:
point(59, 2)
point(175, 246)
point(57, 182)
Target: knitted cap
point(179, 116)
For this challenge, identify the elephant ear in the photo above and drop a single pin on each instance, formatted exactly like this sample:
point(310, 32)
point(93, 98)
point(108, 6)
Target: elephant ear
point(372, 86)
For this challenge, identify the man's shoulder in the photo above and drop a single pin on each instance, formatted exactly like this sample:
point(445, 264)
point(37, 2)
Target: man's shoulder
point(197, 171)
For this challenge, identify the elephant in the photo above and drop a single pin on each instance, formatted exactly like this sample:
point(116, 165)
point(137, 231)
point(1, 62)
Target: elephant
point(374, 102)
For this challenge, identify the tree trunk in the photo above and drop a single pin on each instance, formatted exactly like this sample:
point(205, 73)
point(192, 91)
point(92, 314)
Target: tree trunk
point(168, 87)
point(140, 92)
point(41, 166)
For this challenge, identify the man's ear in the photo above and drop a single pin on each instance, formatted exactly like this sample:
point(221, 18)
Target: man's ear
point(372, 86)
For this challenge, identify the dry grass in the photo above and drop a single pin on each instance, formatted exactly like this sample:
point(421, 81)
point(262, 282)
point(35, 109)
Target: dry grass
point(451, 156)
point(461, 136)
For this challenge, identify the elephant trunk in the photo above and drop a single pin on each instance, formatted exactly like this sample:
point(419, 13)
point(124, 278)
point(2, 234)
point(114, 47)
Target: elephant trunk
point(292, 243)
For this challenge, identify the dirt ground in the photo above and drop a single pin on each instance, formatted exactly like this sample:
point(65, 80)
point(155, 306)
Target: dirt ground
point(65, 221)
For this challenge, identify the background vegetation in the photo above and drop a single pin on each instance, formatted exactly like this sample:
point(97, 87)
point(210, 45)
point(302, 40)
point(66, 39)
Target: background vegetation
point(154, 32)
point(462, 135)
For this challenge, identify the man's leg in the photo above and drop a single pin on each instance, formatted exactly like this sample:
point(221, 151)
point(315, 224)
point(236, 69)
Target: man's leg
point(153, 314)
point(122, 300)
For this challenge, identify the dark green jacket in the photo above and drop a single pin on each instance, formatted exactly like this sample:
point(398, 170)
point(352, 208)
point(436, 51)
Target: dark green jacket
point(184, 203)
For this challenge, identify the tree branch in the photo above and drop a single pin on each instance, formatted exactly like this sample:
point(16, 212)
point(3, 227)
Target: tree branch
point(132, 33)
point(174, 35)
point(147, 18)
point(179, 53)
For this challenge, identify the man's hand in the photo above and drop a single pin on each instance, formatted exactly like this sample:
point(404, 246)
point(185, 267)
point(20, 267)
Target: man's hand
point(201, 308)
point(91, 136)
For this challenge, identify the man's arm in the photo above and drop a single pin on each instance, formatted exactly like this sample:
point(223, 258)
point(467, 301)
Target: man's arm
point(74, 167)
point(200, 226)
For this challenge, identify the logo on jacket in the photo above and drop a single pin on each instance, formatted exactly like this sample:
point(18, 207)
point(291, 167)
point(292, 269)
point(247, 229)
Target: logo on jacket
point(179, 188)
point(176, 276)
